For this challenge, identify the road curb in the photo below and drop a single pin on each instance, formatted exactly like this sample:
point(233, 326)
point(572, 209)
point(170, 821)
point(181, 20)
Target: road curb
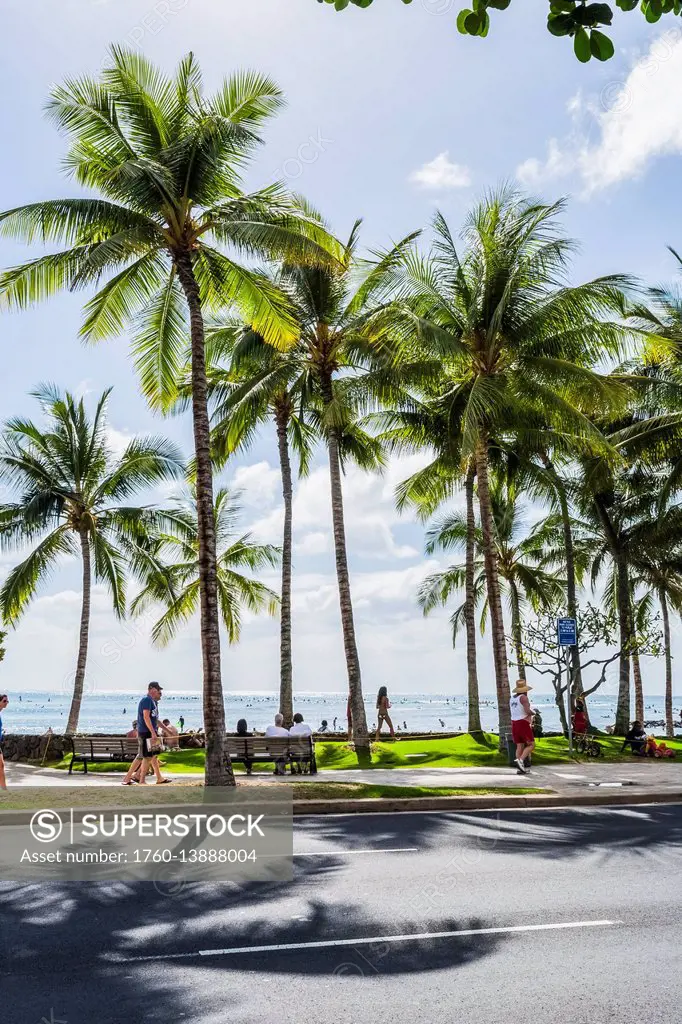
point(483, 803)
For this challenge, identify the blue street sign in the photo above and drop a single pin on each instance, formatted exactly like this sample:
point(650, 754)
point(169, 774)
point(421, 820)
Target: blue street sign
point(568, 632)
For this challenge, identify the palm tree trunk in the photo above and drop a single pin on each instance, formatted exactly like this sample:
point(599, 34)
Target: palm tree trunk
point(624, 601)
point(560, 701)
point(639, 689)
point(470, 606)
point(625, 627)
point(516, 631)
point(571, 584)
point(79, 681)
point(493, 585)
point(359, 718)
point(218, 768)
point(286, 698)
point(669, 724)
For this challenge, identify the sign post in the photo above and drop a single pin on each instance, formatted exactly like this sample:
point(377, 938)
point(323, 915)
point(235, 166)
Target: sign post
point(567, 633)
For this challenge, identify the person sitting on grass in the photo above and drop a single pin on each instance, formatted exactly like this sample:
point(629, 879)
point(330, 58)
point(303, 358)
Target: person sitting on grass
point(654, 749)
point(636, 739)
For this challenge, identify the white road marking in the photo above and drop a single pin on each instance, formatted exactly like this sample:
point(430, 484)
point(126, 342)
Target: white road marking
point(337, 853)
point(368, 941)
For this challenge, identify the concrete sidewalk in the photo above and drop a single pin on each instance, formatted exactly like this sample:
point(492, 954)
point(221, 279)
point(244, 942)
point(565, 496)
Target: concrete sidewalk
point(637, 776)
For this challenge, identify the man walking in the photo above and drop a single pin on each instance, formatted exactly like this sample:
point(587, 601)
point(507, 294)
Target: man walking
point(522, 724)
point(147, 738)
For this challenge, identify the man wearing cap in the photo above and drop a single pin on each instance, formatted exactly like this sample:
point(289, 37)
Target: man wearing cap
point(522, 727)
point(147, 737)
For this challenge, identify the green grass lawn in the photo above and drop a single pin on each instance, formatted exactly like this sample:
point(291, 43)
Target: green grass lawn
point(365, 791)
point(104, 798)
point(463, 751)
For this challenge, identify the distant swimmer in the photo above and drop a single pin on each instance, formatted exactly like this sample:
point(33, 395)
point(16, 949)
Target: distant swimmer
point(442, 723)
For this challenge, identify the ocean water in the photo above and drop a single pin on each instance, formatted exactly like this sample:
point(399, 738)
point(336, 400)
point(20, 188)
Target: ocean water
point(36, 711)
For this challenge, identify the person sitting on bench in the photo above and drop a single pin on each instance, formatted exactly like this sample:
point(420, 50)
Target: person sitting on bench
point(243, 732)
point(278, 730)
point(635, 738)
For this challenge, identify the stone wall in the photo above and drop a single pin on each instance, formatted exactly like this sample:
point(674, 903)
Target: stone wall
point(33, 748)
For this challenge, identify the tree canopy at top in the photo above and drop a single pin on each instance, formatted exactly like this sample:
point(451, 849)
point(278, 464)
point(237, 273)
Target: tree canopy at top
point(578, 19)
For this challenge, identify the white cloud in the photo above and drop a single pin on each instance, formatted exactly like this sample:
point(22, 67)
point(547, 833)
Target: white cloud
point(441, 173)
point(315, 543)
point(635, 120)
point(535, 172)
point(370, 513)
point(118, 440)
point(259, 484)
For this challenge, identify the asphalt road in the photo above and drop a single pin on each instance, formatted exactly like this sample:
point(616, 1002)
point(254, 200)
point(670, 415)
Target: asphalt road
point(547, 916)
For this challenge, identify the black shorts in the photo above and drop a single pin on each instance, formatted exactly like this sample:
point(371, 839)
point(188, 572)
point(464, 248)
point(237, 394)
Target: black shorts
point(144, 747)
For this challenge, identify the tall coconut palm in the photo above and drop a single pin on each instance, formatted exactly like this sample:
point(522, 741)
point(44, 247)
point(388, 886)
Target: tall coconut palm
point(240, 363)
point(167, 564)
point(345, 361)
point(641, 616)
point(519, 344)
point(519, 560)
point(656, 557)
point(170, 216)
point(70, 490)
point(425, 426)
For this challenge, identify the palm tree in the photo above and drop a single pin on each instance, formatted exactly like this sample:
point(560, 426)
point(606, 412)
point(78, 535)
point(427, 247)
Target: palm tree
point(69, 491)
point(641, 615)
point(240, 363)
point(656, 558)
point(167, 565)
point(518, 345)
point(344, 362)
point(167, 163)
point(423, 425)
point(519, 561)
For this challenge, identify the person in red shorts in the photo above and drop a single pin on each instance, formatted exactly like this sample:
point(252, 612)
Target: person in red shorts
point(522, 729)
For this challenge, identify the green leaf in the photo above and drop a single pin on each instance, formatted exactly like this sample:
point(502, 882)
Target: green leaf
point(581, 46)
point(461, 20)
point(601, 46)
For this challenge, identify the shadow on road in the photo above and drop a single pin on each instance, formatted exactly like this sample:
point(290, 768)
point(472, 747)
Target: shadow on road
point(569, 832)
point(63, 945)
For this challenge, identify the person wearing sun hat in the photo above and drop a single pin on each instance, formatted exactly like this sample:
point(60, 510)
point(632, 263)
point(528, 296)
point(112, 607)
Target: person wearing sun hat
point(522, 727)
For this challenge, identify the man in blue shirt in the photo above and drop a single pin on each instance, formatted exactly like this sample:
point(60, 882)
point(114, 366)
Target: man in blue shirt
point(147, 738)
point(3, 704)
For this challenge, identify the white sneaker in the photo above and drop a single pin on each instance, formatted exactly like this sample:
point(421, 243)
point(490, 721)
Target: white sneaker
point(521, 766)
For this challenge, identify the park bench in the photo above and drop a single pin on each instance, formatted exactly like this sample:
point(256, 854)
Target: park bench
point(296, 752)
point(90, 749)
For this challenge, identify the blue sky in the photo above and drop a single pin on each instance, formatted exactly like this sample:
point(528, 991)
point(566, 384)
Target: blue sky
point(391, 114)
